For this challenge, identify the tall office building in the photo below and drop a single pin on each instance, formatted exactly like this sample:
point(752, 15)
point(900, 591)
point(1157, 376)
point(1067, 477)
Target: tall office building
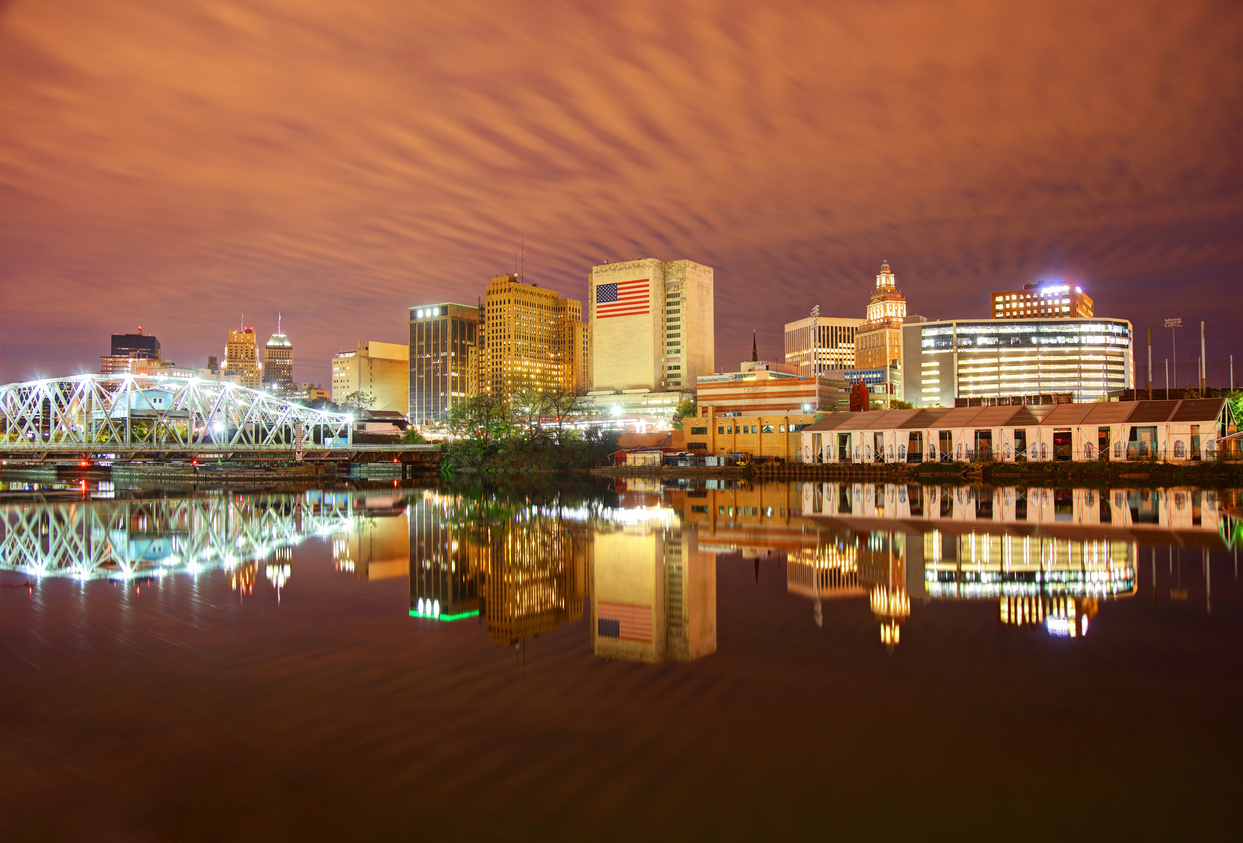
point(127, 350)
point(529, 337)
point(878, 343)
point(443, 339)
point(995, 359)
point(833, 342)
point(278, 362)
point(378, 369)
point(241, 358)
point(652, 325)
point(1053, 300)
point(141, 346)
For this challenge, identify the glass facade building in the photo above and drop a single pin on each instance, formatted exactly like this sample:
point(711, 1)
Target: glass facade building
point(443, 339)
point(1012, 358)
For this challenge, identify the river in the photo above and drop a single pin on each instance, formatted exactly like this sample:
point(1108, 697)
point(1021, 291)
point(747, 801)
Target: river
point(691, 660)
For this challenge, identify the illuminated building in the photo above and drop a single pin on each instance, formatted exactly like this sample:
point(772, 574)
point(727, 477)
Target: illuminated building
point(127, 351)
point(878, 342)
point(761, 388)
point(653, 593)
point(139, 345)
point(278, 363)
point(442, 341)
point(529, 337)
point(834, 343)
point(241, 358)
point(1009, 358)
point(652, 325)
point(378, 369)
point(758, 435)
point(1052, 300)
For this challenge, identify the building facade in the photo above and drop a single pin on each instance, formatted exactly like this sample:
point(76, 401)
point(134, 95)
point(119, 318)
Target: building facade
point(241, 358)
point(878, 343)
point(529, 337)
point(994, 359)
point(757, 388)
point(278, 364)
point(1053, 300)
point(139, 345)
point(771, 435)
point(378, 369)
point(651, 325)
point(833, 343)
point(443, 339)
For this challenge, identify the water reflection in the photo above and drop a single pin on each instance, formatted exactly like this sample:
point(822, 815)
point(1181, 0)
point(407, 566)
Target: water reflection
point(639, 563)
point(127, 538)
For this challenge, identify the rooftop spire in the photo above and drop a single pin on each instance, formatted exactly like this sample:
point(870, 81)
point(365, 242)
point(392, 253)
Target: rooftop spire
point(755, 357)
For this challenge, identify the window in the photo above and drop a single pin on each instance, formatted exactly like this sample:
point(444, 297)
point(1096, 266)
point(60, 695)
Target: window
point(720, 430)
point(699, 431)
point(767, 428)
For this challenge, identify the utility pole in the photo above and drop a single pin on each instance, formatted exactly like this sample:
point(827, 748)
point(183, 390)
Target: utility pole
point(1167, 379)
point(1172, 324)
point(815, 353)
point(1149, 362)
point(1203, 364)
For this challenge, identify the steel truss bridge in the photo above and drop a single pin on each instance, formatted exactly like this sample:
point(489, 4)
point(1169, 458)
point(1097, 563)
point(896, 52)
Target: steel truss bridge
point(128, 417)
point(123, 539)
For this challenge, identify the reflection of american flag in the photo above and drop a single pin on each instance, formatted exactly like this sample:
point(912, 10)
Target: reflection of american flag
point(624, 621)
point(623, 298)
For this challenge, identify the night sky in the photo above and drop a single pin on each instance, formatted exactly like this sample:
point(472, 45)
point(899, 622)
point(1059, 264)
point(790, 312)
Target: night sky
point(171, 164)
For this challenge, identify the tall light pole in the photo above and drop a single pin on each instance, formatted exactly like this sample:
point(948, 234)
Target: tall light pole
point(1203, 364)
point(815, 353)
point(1172, 324)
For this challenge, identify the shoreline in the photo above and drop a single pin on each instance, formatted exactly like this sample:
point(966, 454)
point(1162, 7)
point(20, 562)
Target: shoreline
point(1209, 475)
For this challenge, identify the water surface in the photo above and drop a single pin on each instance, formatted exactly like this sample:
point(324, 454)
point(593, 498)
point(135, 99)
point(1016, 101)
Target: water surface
point(600, 663)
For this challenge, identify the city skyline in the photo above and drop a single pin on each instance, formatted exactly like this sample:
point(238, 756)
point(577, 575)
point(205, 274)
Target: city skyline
point(145, 187)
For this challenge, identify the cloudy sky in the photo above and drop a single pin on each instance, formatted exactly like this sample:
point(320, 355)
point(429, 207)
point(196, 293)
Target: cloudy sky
point(169, 164)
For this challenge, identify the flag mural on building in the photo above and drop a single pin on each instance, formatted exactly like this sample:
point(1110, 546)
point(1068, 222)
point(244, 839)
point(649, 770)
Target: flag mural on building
point(625, 621)
point(623, 298)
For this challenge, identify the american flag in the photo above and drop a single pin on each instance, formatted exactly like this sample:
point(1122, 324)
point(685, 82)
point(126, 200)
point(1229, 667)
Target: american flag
point(622, 298)
point(624, 621)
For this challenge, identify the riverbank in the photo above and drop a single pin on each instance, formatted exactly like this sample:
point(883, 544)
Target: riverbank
point(1208, 475)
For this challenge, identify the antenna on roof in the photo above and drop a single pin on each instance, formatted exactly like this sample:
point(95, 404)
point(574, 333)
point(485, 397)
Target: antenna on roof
point(523, 263)
point(278, 322)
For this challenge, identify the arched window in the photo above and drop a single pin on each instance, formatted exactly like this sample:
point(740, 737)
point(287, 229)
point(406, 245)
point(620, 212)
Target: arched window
point(1180, 449)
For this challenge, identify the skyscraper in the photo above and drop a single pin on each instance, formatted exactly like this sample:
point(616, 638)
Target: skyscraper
point(878, 343)
point(443, 339)
point(278, 362)
point(1052, 300)
point(241, 358)
point(833, 342)
point(529, 337)
point(378, 369)
point(651, 324)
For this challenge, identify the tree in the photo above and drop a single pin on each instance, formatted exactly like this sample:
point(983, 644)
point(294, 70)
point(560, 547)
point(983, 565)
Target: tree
point(480, 417)
point(901, 405)
point(413, 437)
point(688, 409)
point(563, 404)
point(358, 401)
point(527, 407)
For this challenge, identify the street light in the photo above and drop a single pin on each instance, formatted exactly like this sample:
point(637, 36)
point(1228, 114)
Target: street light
point(1172, 324)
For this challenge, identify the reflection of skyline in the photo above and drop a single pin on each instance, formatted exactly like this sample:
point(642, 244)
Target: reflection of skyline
point(1041, 555)
point(653, 594)
point(522, 567)
point(123, 539)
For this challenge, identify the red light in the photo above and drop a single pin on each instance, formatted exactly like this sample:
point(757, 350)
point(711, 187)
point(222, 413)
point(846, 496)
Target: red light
point(83, 463)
